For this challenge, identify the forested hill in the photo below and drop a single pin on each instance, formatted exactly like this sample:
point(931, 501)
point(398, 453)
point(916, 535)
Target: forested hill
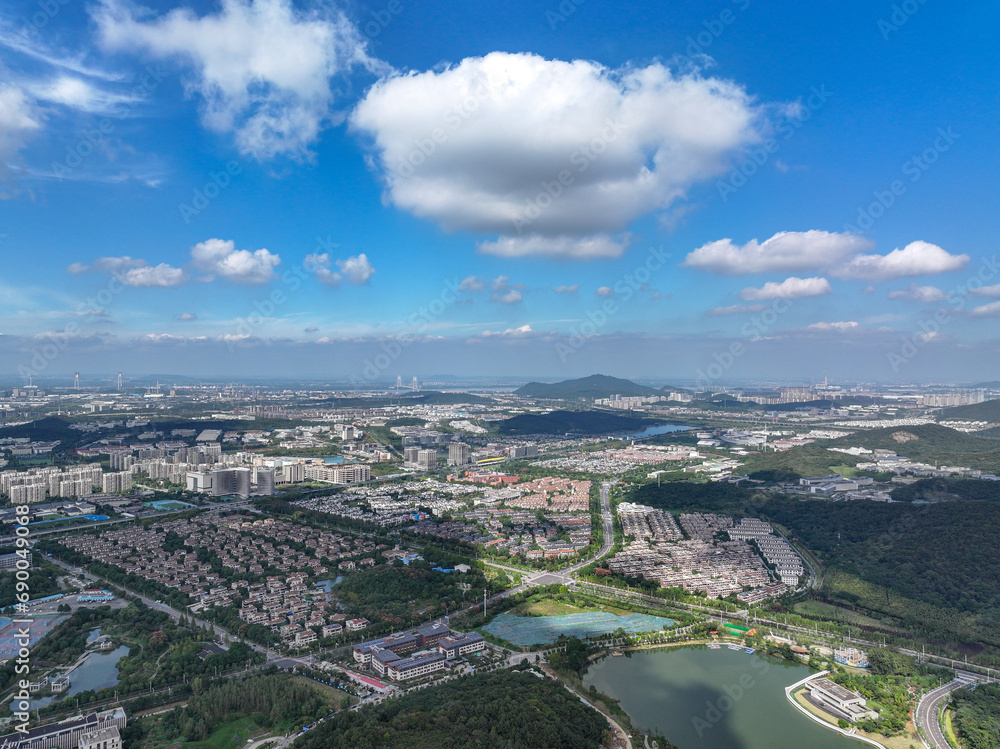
point(594, 386)
point(502, 710)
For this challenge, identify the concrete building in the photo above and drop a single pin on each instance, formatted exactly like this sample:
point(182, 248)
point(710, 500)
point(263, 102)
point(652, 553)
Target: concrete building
point(69, 734)
point(102, 738)
point(427, 460)
point(840, 701)
point(116, 483)
point(231, 481)
point(462, 644)
point(458, 454)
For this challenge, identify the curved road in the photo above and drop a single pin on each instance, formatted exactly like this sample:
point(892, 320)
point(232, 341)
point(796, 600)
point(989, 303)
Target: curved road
point(928, 709)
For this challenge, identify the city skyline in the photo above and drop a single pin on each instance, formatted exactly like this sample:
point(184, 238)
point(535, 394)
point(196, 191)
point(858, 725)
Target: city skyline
point(548, 190)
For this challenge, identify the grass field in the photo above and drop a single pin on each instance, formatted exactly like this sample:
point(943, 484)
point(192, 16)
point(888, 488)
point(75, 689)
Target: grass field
point(544, 606)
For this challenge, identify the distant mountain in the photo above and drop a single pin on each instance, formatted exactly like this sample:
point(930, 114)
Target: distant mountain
point(594, 386)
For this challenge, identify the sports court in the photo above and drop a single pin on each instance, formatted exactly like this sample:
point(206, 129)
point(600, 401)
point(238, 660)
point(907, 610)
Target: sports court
point(37, 629)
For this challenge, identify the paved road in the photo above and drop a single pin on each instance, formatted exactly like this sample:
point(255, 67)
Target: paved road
point(927, 712)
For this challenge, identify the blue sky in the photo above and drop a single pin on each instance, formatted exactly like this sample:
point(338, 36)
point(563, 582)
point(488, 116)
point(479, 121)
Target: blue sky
point(733, 190)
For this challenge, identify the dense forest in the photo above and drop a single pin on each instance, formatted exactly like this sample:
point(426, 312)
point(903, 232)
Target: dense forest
point(401, 596)
point(922, 565)
point(273, 700)
point(501, 710)
point(977, 716)
point(577, 422)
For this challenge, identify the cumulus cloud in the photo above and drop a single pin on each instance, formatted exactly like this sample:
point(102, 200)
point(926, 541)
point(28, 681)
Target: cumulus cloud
point(356, 270)
point(187, 316)
point(220, 257)
point(916, 259)
point(790, 288)
point(605, 291)
point(19, 120)
point(986, 310)
point(838, 327)
point(162, 275)
point(564, 289)
point(512, 296)
point(923, 294)
point(261, 68)
point(471, 283)
point(785, 251)
point(566, 248)
point(134, 271)
point(546, 152)
point(508, 333)
point(990, 292)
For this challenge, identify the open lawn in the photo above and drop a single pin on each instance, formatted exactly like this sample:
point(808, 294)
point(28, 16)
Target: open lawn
point(545, 606)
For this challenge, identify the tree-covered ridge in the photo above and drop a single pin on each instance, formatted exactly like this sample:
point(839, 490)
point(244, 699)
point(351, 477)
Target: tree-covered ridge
point(594, 386)
point(977, 716)
point(575, 422)
point(502, 710)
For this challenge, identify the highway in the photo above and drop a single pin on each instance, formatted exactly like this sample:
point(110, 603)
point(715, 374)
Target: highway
point(928, 710)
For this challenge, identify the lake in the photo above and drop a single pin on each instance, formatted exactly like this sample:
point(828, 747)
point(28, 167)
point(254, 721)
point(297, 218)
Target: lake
point(653, 431)
point(713, 699)
point(99, 671)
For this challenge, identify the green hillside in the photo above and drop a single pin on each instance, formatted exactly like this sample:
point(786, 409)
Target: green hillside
point(985, 411)
point(594, 386)
point(930, 443)
point(574, 422)
point(485, 711)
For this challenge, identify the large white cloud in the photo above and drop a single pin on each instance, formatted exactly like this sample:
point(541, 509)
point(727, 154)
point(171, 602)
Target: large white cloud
point(786, 251)
point(916, 259)
point(790, 288)
point(544, 152)
point(262, 68)
point(219, 257)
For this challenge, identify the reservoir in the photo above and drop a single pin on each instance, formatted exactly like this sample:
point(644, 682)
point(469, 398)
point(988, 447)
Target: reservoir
point(713, 699)
point(653, 431)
